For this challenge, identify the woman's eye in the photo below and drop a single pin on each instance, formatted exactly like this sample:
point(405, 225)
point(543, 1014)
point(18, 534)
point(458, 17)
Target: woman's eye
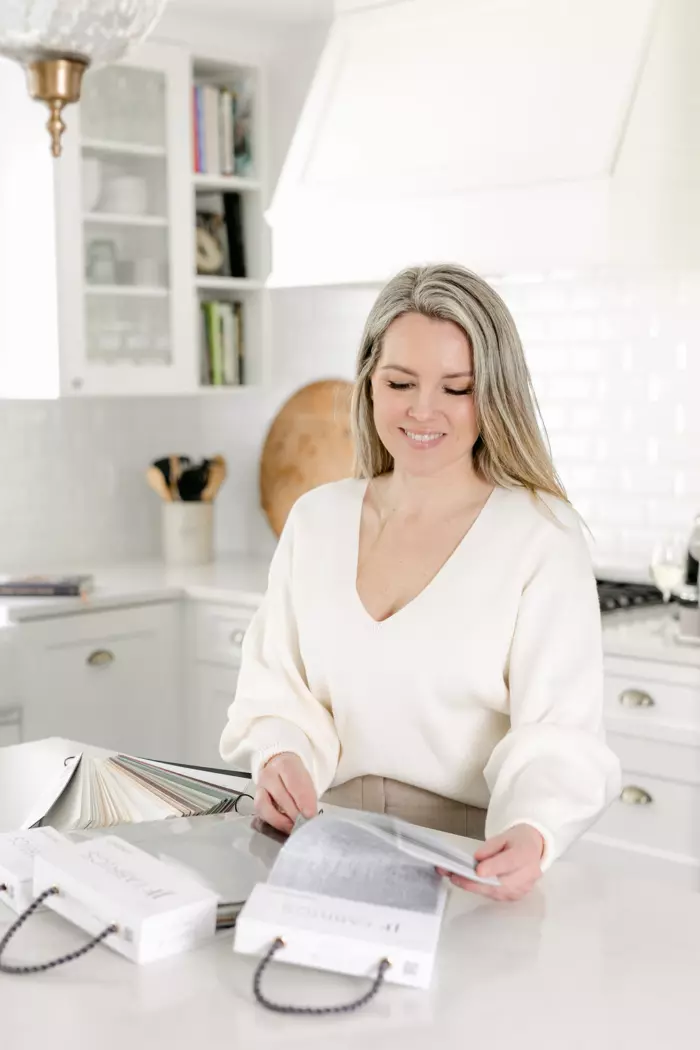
point(467, 390)
point(398, 386)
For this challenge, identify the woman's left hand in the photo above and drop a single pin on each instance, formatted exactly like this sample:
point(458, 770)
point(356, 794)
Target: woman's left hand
point(514, 857)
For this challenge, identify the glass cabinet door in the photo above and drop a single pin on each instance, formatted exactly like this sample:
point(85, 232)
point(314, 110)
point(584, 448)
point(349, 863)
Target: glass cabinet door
point(131, 330)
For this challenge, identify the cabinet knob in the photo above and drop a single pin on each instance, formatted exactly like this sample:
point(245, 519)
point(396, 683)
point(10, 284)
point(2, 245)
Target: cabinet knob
point(635, 796)
point(635, 698)
point(237, 637)
point(100, 658)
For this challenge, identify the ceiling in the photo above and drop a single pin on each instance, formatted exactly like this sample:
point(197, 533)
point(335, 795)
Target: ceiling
point(278, 11)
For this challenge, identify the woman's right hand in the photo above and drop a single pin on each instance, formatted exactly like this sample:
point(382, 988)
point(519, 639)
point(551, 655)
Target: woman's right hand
point(284, 791)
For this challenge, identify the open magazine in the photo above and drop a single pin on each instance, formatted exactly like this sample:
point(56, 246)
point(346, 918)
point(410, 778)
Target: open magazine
point(349, 889)
point(421, 843)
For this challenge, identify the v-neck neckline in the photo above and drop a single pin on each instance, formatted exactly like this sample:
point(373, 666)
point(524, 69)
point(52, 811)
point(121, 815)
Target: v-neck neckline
point(430, 586)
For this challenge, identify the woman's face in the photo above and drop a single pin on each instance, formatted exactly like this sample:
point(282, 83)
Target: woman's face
point(422, 392)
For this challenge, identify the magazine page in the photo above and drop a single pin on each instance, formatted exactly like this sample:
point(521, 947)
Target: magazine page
point(423, 844)
point(348, 860)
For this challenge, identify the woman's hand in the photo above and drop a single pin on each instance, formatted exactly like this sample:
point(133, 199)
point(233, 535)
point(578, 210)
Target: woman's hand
point(284, 791)
point(514, 857)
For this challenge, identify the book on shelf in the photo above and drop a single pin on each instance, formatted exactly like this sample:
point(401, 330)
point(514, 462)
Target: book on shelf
point(219, 235)
point(350, 889)
point(44, 586)
point(222, 124)
point(67, 785)
point(222, 345)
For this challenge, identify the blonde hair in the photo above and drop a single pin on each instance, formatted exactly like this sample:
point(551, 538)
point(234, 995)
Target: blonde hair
point(511, 449)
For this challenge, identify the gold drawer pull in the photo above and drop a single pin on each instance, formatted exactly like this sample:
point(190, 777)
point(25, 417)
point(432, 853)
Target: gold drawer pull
point(100, 658)
point(635, 796)
point(237, 637)
point(635, 698)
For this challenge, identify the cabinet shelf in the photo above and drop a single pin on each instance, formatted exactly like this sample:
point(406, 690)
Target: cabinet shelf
point(129, 149)
point(135, 290)
point(116, 219)
point(228, 284)
point(226, 183)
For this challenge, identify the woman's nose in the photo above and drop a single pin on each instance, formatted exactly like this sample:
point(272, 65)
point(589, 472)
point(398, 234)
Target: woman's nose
point(422, 405)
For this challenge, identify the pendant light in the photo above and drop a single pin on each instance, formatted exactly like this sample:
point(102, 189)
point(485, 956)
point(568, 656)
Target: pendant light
point(56, 41)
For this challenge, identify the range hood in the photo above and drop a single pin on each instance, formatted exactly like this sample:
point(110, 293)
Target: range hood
point(504, 134)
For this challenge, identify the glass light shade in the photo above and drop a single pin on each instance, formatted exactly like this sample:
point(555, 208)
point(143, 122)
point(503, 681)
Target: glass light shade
point(56, 40)
point(96, 31)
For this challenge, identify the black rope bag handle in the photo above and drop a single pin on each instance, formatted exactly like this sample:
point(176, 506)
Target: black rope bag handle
point(52, 891)
point(313, 1011)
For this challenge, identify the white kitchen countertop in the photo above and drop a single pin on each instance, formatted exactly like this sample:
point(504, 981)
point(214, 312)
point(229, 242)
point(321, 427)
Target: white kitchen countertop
point(589, 961)
point(235, 579)
point(647, 634)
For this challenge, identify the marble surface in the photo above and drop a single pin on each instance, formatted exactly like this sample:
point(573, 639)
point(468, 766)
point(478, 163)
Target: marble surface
point(647, 634)
point(588, 961)
point(234, 579)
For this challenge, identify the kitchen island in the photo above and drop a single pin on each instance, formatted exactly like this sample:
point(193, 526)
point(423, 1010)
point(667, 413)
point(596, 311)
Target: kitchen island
point(589, 961)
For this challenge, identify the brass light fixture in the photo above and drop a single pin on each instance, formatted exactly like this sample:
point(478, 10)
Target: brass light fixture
point(57, 40)
point(57, 82)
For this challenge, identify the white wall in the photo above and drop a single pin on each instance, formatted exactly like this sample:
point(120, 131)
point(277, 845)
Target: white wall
point(615, 360)
point(27, 249)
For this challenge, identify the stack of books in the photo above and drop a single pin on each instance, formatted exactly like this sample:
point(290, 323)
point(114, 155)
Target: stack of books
point(222, 350)
point(221, 130)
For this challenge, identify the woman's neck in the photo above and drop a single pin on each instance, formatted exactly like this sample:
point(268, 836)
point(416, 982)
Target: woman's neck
point(453, 489)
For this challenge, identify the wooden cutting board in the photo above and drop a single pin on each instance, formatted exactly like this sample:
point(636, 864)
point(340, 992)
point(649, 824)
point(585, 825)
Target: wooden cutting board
point(309, 443)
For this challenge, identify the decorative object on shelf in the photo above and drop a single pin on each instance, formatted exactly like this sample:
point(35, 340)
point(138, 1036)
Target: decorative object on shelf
point(126, 195)
point(188, 491)
point(219, 235)
point(57, 40)
point(101, 262)
point(308, 444)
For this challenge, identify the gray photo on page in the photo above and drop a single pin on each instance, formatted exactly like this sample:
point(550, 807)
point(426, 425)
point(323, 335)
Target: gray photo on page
point(336, 858)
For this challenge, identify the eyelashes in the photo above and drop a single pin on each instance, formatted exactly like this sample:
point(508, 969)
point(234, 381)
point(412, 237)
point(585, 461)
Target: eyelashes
point(448, 390)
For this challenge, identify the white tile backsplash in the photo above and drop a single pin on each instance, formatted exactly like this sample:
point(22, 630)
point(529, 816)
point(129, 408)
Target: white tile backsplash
point(616, 366)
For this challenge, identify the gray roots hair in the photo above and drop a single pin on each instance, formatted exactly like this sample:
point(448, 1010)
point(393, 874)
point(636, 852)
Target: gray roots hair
point(511, 449)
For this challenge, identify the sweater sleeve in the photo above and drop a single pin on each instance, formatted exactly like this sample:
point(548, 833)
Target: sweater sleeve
point(553, 769)
point(273, 709)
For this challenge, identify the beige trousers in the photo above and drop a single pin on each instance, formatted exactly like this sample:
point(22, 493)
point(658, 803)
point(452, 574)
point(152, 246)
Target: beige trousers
point(381, 795)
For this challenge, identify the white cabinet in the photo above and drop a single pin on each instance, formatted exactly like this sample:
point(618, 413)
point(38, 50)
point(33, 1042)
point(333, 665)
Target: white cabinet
point(100, 292)
point(213, 690)
point(124, 234)
point(109, 678)
point(215, 632)
point(653, 725)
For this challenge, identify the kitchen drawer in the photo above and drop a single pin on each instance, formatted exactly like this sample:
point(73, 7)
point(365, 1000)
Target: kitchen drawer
point(656, 758)
point(106, 678)
point(218, 632)
point(641, 700)
point(669, 821)
point(211, 694)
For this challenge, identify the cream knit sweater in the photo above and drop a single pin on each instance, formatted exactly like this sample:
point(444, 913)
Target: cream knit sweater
point(487, 687)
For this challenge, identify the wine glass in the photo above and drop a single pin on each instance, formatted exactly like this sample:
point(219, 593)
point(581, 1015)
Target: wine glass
point(668, 564)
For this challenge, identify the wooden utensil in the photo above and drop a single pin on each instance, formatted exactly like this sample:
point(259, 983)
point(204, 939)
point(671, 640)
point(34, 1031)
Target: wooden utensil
point(164, 466)
point(156, 480)
point(217, 476)
point(309, 443)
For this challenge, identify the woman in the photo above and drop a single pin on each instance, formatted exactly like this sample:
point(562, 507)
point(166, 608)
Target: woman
point(429, 645)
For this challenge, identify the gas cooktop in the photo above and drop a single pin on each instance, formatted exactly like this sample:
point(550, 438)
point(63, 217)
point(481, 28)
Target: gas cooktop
point(613, 595)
